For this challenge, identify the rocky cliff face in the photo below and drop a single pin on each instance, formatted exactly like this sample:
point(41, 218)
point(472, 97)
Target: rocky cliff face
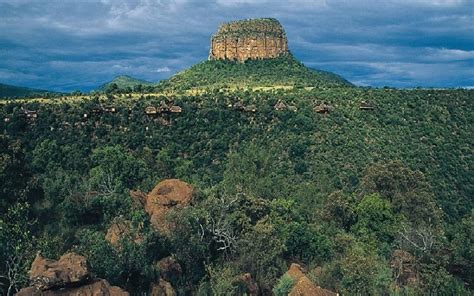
point(249, 39)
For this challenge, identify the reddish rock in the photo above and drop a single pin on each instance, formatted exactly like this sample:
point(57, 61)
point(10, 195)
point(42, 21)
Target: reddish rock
point(167, 194)
point(162, 288)
point(69, 269)
point(67, 276)
point(303, 286)
point(95, 288)
point(249, 39)
point(295, 271)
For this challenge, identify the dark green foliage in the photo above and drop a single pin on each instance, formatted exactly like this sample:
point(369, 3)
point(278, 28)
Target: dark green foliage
point(342, 191)
point(284, 286)
point(12, 91)
point(375, 222)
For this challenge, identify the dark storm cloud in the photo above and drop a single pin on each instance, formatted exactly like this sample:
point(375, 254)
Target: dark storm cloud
point(66, 45)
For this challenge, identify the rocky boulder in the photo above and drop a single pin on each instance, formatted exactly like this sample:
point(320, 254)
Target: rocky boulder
point(70, 269)
point(303, 286)
point(167, 194)
point(95, 288)
point(67, 276)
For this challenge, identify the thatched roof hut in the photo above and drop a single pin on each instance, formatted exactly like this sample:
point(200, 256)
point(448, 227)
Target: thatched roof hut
point(150, 110)
point(364, 105)
point(322, 108)
point(175, 109)
point(279, 106)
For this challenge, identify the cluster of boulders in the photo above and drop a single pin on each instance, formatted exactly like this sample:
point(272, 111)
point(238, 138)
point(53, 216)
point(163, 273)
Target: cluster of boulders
point(167, 195)
point(67, 276)
point(70, 274)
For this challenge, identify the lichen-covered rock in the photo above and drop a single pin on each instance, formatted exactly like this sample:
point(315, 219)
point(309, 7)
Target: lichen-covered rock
point(96, 288)
point(167, 194)
point(69, 269)
point(249, 39)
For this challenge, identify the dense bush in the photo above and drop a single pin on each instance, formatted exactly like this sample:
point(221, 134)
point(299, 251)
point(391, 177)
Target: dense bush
point(341, 191)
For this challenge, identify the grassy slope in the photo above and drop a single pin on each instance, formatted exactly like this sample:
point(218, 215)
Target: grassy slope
point(282, 71)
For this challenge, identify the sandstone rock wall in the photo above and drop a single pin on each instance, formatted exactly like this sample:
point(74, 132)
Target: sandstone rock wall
point(249, 39)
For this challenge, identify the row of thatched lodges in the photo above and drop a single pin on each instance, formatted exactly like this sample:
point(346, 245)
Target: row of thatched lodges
point(163, 108)
point(29, 115)
point(151, 111)
point(280, 106)
point(324, 108)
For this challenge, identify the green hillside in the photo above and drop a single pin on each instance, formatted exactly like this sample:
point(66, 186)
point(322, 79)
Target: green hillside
point(123, 83)
point(372, 202)
point(281, 71)
point(12, 91)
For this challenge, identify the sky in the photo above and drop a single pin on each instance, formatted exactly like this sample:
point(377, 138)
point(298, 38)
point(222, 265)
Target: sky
point(64, 45)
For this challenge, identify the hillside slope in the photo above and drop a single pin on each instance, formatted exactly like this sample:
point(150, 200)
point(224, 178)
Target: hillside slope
point(12, 91)
point(281, 71)
point(123, 82)
point(335, 190)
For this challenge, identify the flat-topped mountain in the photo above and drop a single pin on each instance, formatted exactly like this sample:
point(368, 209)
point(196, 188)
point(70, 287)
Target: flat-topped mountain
point(249, 39)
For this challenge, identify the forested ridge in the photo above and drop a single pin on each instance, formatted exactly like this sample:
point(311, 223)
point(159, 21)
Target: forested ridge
point(374, 201)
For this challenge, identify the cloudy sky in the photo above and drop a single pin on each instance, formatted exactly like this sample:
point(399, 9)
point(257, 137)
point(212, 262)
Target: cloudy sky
point(65, 45)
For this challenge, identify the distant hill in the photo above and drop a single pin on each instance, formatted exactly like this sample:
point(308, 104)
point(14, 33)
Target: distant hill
point(122, 82)
point(12, 91)
point(281, 71)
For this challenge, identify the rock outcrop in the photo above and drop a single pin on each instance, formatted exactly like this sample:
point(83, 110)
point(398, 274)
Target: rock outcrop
point(97, 287)
point(67, 276)
point(167, 194)
point(249, 39)
point(70, 269)
point(303, 286)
